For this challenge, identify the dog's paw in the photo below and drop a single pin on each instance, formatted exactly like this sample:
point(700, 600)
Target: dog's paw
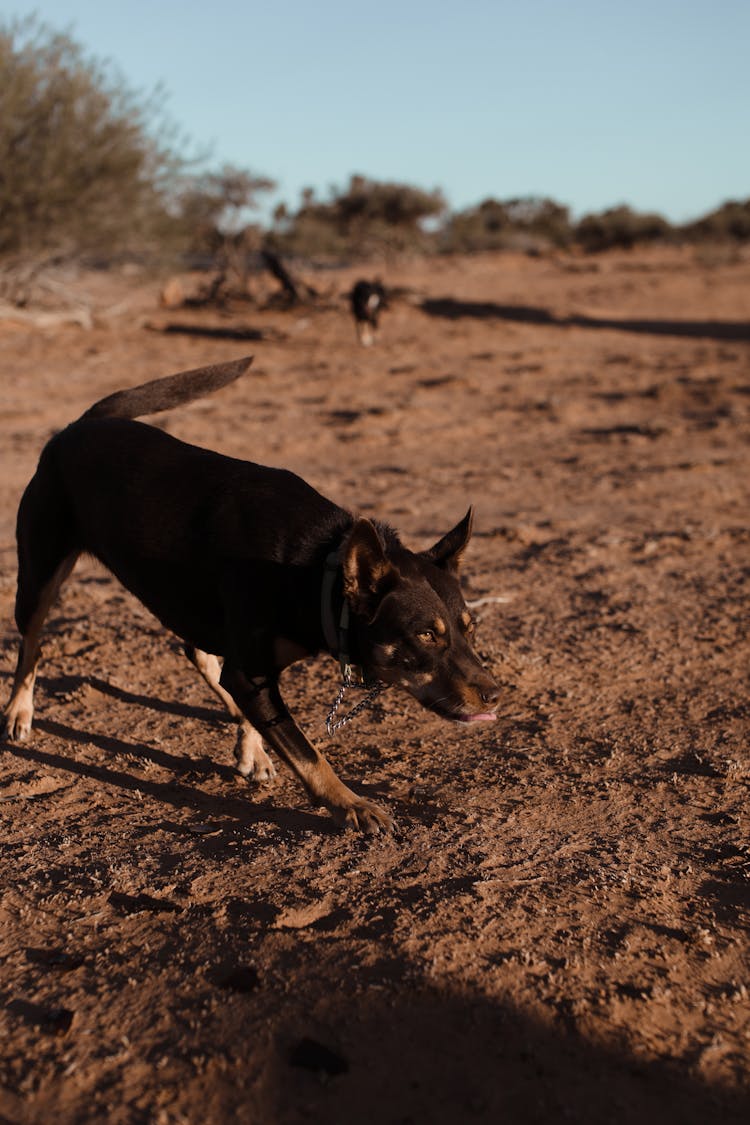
point(17, 723)
point(363, 815)
point(252, 761)
point(260, 769)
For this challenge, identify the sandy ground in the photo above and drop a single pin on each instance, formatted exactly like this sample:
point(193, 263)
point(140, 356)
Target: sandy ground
point(558, 931)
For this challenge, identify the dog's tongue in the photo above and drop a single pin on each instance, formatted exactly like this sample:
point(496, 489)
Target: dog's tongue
point(481, 717)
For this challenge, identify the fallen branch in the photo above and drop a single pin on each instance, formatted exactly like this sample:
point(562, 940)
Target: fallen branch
point(80, 316)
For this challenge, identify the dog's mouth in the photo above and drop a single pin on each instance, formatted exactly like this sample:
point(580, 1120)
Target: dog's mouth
point(453, 705)
point(464, 716)
point(479, 717)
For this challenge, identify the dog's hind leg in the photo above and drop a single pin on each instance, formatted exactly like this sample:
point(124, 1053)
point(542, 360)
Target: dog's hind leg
point(33, 603)
point(252, 760)
point(210, 669)
point(47, 552)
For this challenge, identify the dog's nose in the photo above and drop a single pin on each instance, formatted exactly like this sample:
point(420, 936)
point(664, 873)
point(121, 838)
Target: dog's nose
point(490, 695)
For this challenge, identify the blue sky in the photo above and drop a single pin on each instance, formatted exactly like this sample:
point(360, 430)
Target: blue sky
point(592, 103)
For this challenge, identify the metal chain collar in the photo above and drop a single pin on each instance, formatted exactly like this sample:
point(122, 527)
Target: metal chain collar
point(331, 726)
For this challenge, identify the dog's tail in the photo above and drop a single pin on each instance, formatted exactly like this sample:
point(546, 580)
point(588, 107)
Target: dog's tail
point(163, 394)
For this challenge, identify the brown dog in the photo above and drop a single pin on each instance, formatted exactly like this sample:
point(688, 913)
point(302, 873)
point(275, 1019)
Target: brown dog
point(247, 564)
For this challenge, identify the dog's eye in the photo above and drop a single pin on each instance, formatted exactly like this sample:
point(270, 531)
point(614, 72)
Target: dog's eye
point(427, 637)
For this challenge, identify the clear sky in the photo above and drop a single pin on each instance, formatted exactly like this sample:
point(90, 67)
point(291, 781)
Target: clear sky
point(592, 102)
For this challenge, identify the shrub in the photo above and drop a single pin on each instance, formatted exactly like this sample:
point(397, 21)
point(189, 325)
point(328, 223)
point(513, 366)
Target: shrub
point(620, 227)
point(530, 222)
point(731, 221)
point(210, 211)
point(368, 217)
point(85, 163)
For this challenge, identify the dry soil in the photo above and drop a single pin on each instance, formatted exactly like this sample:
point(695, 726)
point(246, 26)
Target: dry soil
point(558, 930)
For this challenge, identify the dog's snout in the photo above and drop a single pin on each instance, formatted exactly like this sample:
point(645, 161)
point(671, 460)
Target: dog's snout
point(490, 695)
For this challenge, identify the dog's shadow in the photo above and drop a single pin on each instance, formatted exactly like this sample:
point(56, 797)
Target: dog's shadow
point(210, 806)
point(60, 685)
point(215, 807)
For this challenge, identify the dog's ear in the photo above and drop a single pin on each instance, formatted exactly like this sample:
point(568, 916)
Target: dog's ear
point(448, 551)
point(368, 573)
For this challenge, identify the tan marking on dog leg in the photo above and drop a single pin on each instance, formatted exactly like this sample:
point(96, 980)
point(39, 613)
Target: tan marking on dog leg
point(323, 785)
point(263, 703)
point(20, 709)
point(210, 669)
point(252, 760)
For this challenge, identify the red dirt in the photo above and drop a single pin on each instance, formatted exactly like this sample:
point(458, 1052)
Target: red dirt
point(559, 928)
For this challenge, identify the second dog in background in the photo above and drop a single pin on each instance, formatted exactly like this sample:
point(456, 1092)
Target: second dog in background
point(367, 299)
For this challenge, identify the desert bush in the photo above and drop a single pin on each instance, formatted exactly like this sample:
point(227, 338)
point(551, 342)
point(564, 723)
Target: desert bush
point(368, 217)
point(620, 227)
point(484, 227)
point(529, 222)
point(730, 222)
point(211, 209)
point(86, 164)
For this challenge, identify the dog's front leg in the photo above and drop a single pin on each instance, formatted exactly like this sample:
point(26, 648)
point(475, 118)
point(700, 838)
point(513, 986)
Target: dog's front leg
point(259, 700)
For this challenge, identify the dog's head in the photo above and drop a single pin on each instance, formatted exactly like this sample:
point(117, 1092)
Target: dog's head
point(411, 624)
